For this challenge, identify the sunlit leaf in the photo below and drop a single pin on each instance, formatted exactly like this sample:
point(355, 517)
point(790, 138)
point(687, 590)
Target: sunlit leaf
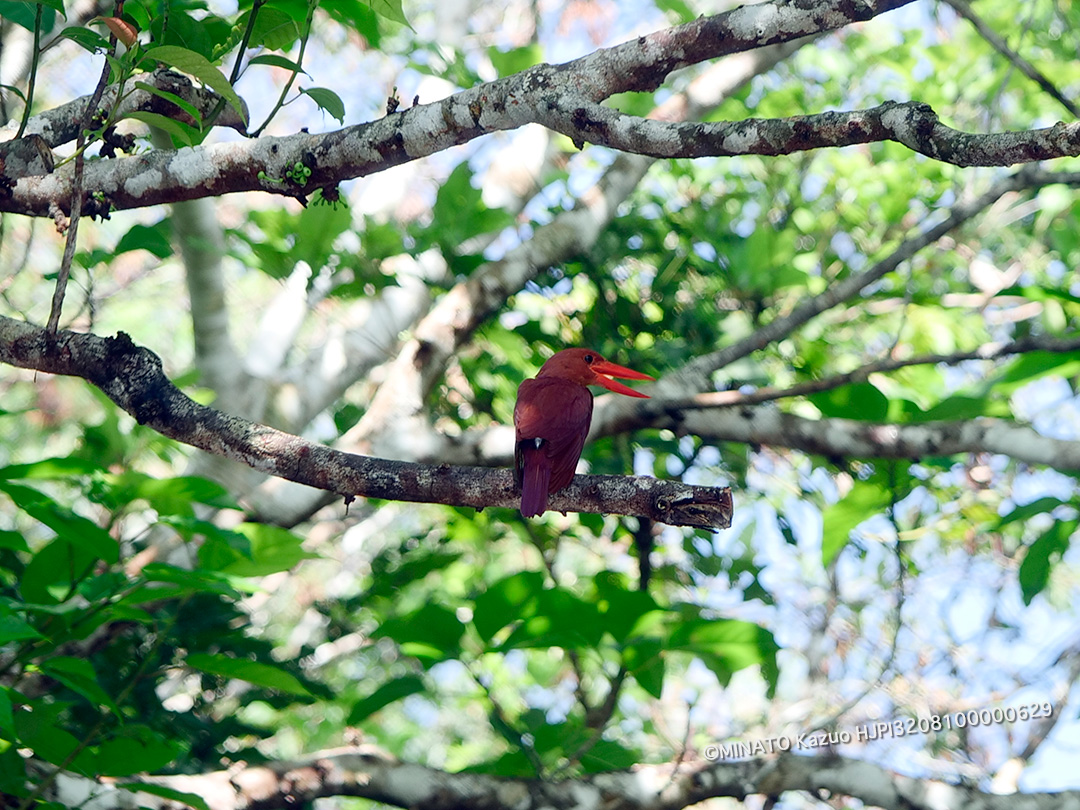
point(181, 132)
point(865, 500)
point(200, 67)
point(273, 549)
point(274, 60)
point(391, 9)
point(861, 401)
point(386, 694)
point(254, 672)
point(328, 101)
point(70, 527)
point(1041, 557)
point(507, 600)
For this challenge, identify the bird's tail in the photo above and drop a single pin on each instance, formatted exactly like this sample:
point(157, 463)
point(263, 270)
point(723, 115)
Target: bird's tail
point(535, 478)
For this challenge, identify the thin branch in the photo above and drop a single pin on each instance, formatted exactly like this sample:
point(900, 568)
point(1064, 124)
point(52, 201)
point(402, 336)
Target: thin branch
point(29, 100)
point(77, 188)
point(964, 9)
point(990, 351)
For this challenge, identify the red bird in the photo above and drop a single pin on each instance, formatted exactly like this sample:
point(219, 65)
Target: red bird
point(551, 421)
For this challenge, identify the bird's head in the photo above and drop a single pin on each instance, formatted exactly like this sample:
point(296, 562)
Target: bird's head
point(586, 367)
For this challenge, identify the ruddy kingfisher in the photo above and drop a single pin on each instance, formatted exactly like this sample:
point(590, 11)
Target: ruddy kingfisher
point(551, 421)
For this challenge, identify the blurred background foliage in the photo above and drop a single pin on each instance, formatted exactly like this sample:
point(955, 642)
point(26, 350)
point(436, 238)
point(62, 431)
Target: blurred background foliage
point(152, 620)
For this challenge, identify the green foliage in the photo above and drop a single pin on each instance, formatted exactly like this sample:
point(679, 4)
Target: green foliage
point(92, 708)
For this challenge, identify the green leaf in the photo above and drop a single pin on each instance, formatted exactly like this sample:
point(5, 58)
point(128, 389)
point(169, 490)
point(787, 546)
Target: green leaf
point(273, 549)
point(181, 133)
point(135, 748)
point(962, 408)
point(328, 101)
point(391, 9)
point(73, 528)
point(609, 755)
point(386, 694)
point(505, 601)
point(55, 5)
point(51, 576)
point(432, 633)
point(24, 12)
point(172, 98)
point(460, 211)
point(515, 60)
point(561, 619)
point(41, 730)
point(727, 645)
point(273, 29)
point(645, 663)
point(265, 675)
point(621, 609)
point(151, 238)
point(49, 469)
point(13, 541)
point(187, 581)
point(274, 60)
point(13, 781)
point(174, 496)
point(356, 15)
point(1033, 365)
point(1029, 510)
point(1041, 556)
point(190, 799)
point(78, 675)
point(7, 718)
point(677, 10)
point(12, 628)
point(865, 500)
point(200, 67)
point(861, 401)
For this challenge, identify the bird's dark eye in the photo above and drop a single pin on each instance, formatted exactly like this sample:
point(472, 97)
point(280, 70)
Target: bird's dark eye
point(589, 358)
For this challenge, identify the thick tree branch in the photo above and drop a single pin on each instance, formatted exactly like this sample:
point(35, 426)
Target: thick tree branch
point(372, 774)
point(132, 377)
point(545, 93)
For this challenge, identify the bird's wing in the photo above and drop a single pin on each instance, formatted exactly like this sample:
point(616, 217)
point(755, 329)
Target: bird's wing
point(558, 412)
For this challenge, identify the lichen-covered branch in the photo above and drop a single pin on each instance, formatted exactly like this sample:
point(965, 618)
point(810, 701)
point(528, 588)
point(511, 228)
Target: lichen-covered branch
point(564, 97)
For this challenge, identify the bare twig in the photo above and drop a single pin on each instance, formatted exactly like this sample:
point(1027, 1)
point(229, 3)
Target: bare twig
point(76, 197)
point(988, 352)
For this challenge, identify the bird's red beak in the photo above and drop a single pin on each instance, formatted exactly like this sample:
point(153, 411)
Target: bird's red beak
point(606, 370)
